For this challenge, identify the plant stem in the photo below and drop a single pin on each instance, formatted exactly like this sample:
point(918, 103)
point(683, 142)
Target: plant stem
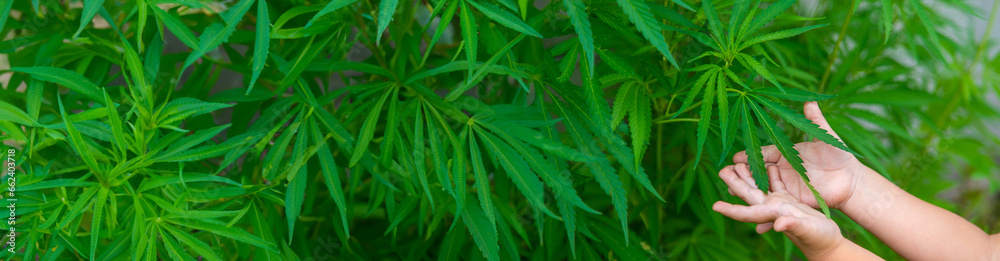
point(689, 108)
point(677, 120)
point(836, 47)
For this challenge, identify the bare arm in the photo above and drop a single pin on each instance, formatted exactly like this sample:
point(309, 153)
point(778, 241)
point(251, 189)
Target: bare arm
point(915, 229)
point(846, 250)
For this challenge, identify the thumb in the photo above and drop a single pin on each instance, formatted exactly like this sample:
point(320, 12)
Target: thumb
point(788, 224)
point(812, 112)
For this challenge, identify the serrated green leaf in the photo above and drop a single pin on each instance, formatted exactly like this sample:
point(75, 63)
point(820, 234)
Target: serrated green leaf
point(192, 140)
point(328, 8)
point(114, 249)
point(470, 36)
point(90, 8)
point(13, 114)
point(301, 152)
point(755, 158)
point(777, 35)
point(97, 220)
point(567, 65)
point(505, 18)
point(765, 16)
point(116, 125)
point(517, 170)
point(788, 152)
point(683, 4)
point(177, 28)
point(310, 52)
point(536, 139)
point(705, 119)
point(272, 162)
point(196, 245)
point(204, 152)
point(386, 8)
point(712, 17)
point(183, 108)
point(294, 196)
point(216, 34)
point(550, 175)
point(261, 42)
point(754, 65)
point(616, 63)
point(638, 12)
point(729, 132)
point(445, 19)
point(578, 17)
point(799, 121)
point(794, 94)
point(662, 12)
point(735, 78)
point(221, 230)
point(331, 176)
point(55, 183)
point(66, 78)
point(174, 249)
point(77, 141)
point(623, 101)
point(177, 212)
point(739, 13)
point(79, 205)
point(418, 151)
point(151, 183)
point(696, 89)
point(640, 123)
point(483, 232)
point(723, 100)
point(482, 182)
point(455, 93)
point(368, 130)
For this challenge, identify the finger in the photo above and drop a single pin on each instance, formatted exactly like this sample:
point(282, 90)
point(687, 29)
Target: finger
point(774, 175)
point(731, 191)
point(764, 227)
point(743, 171)
point(740, 187)
point(813, 113)
point(744, 213)
point(788, 224)
point(770, 153)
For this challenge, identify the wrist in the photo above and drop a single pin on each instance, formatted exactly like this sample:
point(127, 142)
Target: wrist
point(859, 174)
point(870, 196)
point(825, 252)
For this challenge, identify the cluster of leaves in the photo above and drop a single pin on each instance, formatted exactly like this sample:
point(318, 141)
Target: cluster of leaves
point(140, 139)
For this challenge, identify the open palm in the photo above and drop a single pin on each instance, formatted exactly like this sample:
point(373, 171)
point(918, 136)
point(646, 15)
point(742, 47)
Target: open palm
point(831, 170)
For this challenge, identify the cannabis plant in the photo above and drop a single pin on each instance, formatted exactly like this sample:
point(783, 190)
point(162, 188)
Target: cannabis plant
point(389, 130)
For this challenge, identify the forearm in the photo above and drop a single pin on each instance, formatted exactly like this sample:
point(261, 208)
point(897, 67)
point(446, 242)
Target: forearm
point(912, 227)
point(845, 250)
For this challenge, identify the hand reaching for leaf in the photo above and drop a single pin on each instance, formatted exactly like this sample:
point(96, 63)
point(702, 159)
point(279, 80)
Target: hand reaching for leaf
point(819, 238)
point(833, 172)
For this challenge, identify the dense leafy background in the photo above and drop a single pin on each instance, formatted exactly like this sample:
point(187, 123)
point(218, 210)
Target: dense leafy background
point(468, 129)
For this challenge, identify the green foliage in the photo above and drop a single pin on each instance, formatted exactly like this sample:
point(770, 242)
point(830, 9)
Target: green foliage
point(593, 129)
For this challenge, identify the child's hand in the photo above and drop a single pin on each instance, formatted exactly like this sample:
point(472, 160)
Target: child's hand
point(809, 229)
point(833, 172)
